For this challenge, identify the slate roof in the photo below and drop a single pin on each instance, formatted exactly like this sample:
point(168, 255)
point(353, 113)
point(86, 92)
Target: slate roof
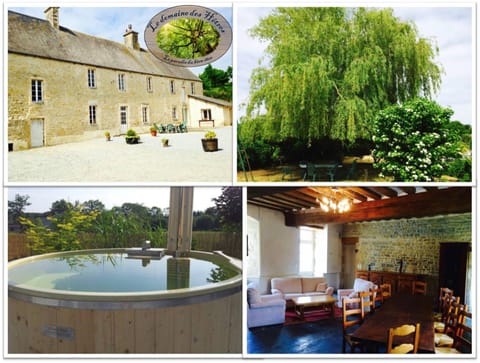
point(211, 100)
point(36, 37)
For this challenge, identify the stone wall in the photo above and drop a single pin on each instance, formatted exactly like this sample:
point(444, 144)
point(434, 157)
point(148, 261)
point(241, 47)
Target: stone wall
point(66, 100)
point(416, 241)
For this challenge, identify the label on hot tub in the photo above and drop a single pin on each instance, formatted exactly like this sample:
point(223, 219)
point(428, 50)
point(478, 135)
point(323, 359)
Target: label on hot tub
point(59, 332)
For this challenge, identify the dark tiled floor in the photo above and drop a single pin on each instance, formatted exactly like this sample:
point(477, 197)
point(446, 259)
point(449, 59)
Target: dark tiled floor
point(320, 337)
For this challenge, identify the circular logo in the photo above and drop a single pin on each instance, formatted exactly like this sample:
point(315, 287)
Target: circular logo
point(188, 35)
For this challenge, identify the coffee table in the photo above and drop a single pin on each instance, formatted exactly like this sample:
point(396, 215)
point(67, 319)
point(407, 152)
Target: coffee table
point(319, 302)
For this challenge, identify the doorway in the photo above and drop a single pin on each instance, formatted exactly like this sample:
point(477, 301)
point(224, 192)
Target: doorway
point(452, 272)
point(348, 265)
point(123, 120)
point(37, 136)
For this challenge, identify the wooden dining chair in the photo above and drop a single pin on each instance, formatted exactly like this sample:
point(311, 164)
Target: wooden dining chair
point(368, 301)
point(447, 304)
point(462, 340)
point(445, 293)
point(353, 315)
point(377, 297)
point(386, 291)
point(403, 331)
point(419, 288)
point(455, 316)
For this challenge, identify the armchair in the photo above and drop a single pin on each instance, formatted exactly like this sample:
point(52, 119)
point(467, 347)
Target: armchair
point(264, 309)
point(359, 285)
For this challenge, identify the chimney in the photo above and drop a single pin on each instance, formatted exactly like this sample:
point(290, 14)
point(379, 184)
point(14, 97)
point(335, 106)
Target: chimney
point(131, 38)
point(52, 16)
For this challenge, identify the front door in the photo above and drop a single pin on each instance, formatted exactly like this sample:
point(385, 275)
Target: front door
point(37, 138)
point(123, 120)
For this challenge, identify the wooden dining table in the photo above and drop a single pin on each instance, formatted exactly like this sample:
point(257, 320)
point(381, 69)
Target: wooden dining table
point(400, 309)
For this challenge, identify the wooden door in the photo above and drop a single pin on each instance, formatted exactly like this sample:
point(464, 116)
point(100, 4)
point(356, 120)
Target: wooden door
point(452, 272)
point(37, 133)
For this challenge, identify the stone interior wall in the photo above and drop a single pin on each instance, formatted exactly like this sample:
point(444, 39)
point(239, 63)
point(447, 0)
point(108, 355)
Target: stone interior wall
point(65, 109)
point(416, 241)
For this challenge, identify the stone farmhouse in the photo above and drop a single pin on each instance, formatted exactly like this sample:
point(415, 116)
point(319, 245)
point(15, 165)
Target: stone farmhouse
point(65, 86)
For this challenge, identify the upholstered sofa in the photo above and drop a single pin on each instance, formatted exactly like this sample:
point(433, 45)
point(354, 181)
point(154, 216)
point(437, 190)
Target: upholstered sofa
point(358, 286)
point(288, 287)
point(264, 309)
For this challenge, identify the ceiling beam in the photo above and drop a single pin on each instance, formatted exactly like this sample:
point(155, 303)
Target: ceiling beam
point(431, 203)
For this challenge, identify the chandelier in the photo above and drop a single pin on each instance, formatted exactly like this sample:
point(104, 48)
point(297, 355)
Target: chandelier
point(332, 205)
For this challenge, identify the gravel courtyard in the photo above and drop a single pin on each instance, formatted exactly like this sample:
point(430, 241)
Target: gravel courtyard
point(99, 161)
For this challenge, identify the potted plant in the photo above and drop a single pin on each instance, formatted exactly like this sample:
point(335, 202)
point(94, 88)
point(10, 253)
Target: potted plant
point(153, 131)
point(165, 142)
point(107, 136)
point(131, 137)
point(210, 141)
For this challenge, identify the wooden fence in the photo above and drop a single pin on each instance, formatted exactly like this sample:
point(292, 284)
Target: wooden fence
point(228, 242)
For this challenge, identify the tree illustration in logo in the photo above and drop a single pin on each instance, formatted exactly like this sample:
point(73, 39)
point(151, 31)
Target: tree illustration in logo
point(188, 38)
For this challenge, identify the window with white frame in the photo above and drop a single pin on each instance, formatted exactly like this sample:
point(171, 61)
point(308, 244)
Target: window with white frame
point(145, 114)
point(92, 114)
point(37, 90)
point(172, 87)
point(121, 82)
point(313, 251)
point(91, 78)
point(149, 84)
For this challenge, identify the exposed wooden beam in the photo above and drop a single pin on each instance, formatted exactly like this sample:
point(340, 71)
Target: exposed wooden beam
point(408, 190)
point(431, 203)
point(253, 192)
point(389, 192)
point(366, 192)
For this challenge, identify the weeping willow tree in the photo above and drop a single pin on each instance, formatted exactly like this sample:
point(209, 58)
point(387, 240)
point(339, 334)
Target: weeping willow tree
point(332, 69)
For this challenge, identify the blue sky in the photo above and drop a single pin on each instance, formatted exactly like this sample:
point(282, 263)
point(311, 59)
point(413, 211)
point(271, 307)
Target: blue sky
point(41, 198)
point(450, 26)
point(110, 22)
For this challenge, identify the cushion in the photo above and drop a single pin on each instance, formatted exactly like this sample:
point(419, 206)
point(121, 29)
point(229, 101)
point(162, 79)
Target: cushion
point(253, 296)
point(287, 284)
point(352, 295)
point(309, 284)
point(321, 286)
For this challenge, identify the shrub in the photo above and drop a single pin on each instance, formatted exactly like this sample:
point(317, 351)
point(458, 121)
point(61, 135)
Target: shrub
point(413, 141)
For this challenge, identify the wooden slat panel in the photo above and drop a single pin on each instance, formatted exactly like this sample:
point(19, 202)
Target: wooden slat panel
point(103, 331)
point(164, 338)
point(145, 331)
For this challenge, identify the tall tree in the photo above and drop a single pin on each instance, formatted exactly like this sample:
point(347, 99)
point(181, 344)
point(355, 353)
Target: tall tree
point(16, 207)
point(229, 208)
point(217, 83)
point(333, 68)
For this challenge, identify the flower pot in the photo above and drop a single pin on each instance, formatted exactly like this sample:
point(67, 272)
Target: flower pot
point(132, 140)
point(153, 132)
point(210, 144)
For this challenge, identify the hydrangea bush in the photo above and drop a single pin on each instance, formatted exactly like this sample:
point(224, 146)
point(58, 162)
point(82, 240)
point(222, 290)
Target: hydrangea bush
point(413, 141)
